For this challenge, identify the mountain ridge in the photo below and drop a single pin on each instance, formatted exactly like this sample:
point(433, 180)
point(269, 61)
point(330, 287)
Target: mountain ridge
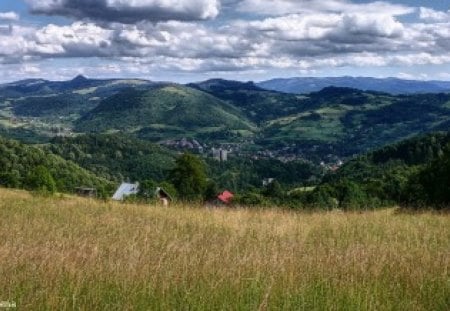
point(396, 86)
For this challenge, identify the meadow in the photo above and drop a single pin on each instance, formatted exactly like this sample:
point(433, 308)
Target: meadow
point(67, 253)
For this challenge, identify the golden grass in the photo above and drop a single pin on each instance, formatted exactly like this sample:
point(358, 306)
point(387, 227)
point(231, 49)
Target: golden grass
point(73, 253)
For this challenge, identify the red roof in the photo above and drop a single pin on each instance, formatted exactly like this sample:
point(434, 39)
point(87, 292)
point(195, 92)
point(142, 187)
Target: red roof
point(226, 197)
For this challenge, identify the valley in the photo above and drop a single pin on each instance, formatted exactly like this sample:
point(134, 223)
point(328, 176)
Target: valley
point(333, 123)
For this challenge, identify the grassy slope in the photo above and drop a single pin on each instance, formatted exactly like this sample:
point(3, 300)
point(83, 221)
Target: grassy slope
point(80, 254)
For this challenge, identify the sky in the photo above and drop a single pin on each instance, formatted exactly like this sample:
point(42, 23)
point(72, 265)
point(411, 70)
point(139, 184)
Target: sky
point(194, 40)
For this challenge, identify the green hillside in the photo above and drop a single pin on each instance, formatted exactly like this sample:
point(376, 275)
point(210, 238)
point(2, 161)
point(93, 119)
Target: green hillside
point(115, 157)
point(18, 163)
point(258, 104)
point(165, 112)
point(413, 172)
point(349, 121)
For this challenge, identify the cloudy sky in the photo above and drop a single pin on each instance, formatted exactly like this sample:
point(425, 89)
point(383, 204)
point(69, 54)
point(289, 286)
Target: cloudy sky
point(192, 40)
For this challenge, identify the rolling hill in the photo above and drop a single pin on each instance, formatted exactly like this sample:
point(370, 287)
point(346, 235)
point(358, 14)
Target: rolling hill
point(164, 112)
point(347, 121)
point(259, 105)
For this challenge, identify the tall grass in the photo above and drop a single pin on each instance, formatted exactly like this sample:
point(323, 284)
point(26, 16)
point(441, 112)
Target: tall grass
point(77, 254)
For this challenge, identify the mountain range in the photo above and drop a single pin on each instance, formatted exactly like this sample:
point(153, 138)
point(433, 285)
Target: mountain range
point(388, 85)
point(334, 121)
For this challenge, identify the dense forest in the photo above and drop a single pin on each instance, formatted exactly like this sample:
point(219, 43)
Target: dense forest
point(31, 167)
point(412, 173)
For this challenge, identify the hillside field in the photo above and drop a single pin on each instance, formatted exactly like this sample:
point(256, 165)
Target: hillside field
point(66, 253)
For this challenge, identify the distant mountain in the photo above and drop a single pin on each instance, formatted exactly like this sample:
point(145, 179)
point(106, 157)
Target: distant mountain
point(388, 85)
point(164, 112)
point(79, 85)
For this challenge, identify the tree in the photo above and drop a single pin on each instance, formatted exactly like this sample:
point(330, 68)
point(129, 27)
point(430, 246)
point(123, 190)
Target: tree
point(211, 190)
point(41, 180)
point(147, 189)
point(189, 177)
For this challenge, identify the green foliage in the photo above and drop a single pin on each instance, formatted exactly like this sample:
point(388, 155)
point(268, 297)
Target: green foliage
point(147, 189)
point(430, 185)
point(274, 190)
point(189, 177)
point(41, 180)
point(413, 173)
point(211, 191)
point(240, 174)
point(115, 157)
point(31, 167)
point(251, 198)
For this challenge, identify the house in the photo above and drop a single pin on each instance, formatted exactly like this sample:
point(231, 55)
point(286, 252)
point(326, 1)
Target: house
point(86, 192)
point(225, 197)
point(124, 190)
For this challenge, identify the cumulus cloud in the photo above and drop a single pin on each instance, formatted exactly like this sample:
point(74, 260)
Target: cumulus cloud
point(342, 34)
point(431, 15)
point(283, 7)
point(129, 11)
point(9, 16)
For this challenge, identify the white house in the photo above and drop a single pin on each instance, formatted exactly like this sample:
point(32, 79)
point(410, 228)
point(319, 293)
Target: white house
point(124, 190)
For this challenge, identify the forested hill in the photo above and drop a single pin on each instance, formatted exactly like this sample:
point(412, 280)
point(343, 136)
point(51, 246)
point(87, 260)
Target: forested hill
point(169, 110)
point(115, 157)
point(415, 172)
point(30, 167)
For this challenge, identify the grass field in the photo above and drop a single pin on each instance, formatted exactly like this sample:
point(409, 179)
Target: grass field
point(76, 254)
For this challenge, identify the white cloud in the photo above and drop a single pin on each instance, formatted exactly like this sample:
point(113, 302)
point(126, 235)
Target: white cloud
point(9, 16)
point(431, 15)
point(343, 34)
point(283, 7)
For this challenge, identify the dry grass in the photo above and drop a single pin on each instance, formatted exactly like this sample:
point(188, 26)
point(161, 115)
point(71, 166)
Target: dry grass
point(65, 254)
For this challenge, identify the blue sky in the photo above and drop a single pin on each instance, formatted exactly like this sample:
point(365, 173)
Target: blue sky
point(192, 40)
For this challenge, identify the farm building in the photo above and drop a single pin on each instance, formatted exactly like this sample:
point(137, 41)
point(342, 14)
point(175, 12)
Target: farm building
point(124, 190)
